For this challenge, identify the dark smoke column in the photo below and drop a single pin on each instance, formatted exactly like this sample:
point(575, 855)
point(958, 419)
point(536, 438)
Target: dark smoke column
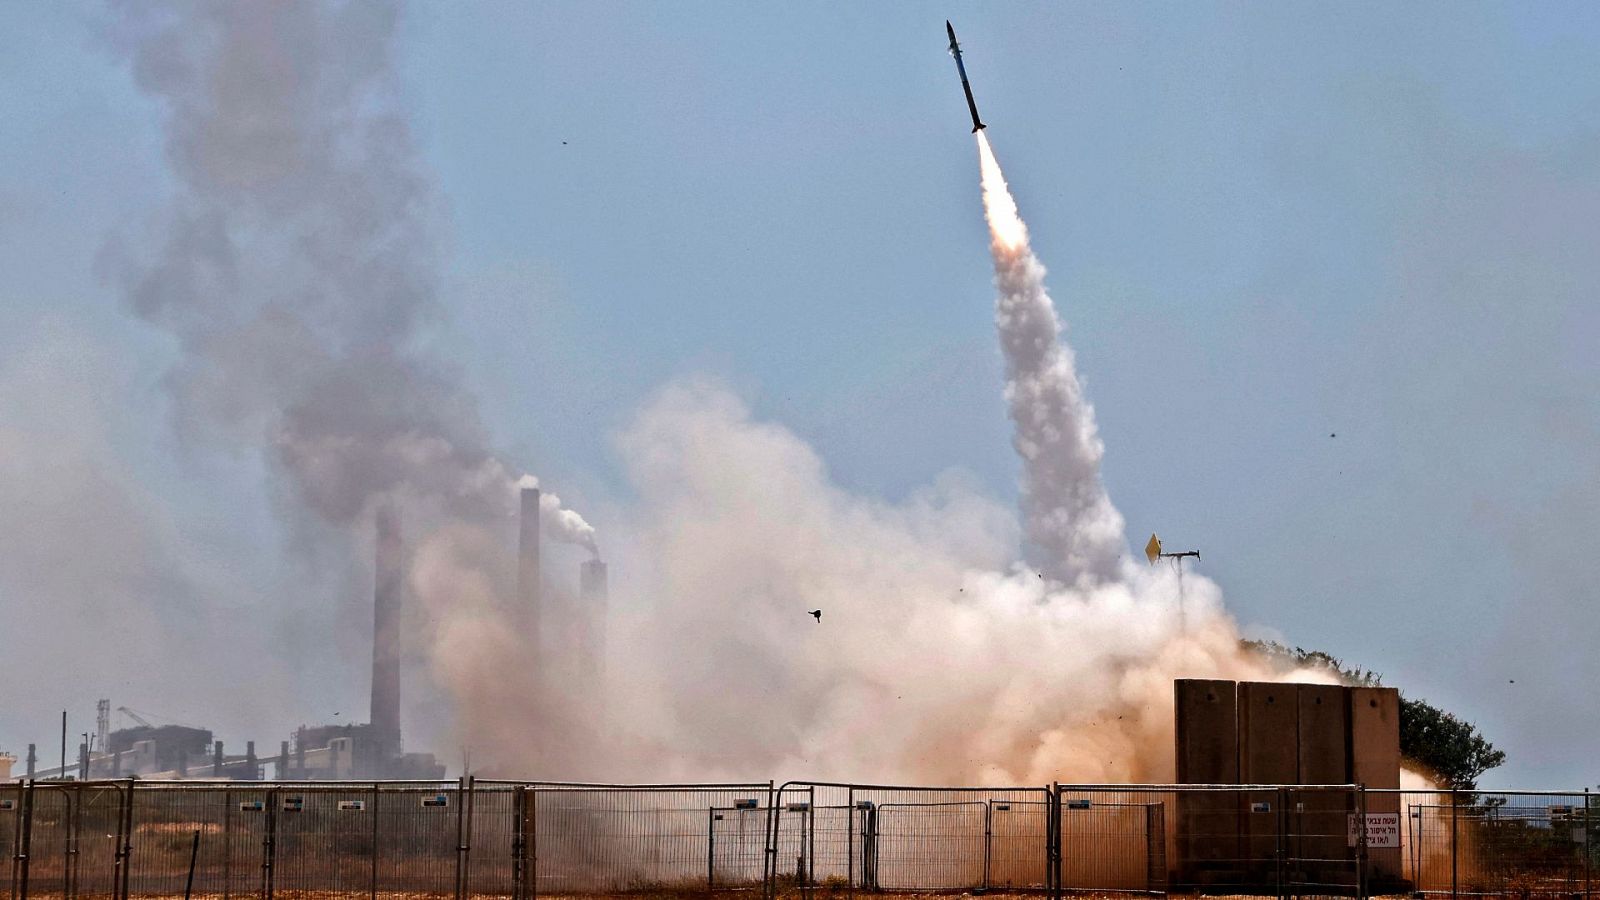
point(386, 601)
point(528, 574)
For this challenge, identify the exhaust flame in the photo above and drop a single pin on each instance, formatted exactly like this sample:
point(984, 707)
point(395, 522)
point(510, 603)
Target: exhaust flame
point(1006, 227)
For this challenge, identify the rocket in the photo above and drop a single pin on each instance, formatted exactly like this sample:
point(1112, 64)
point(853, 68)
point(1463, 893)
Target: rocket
point(955, 50)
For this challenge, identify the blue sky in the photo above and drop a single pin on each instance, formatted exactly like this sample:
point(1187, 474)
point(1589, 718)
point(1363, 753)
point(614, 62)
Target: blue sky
point(1266, 224)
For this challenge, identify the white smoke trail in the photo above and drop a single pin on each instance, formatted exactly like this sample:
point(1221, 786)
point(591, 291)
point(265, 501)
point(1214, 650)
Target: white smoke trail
point(1074, 530)
point(560, 524)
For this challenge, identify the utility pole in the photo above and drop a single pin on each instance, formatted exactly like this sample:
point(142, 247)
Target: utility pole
point(63, 775)
point(1153, 552)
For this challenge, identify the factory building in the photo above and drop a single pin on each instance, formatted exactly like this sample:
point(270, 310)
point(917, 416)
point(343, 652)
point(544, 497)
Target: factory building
point(567, 629)
point(569, 633)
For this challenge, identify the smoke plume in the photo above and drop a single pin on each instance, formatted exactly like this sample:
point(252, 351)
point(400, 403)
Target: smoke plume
point(938, 658)
point(1074, 530)
point(559, 523)
point(295, 270)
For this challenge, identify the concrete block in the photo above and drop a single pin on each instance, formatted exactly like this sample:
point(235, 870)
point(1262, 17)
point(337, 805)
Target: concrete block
point(1318, 823)
point(1375, 736)
point(1269, 749)
point(1322, 732)
point(1208, 850)
point(1268, 754)
point(1207, 731)
point(1375, 762)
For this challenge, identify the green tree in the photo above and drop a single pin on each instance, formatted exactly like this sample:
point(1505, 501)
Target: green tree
point(1444, 746)
point(1450, 748)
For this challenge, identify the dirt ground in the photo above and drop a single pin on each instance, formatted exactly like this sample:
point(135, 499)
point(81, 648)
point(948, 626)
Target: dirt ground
point(818, 893)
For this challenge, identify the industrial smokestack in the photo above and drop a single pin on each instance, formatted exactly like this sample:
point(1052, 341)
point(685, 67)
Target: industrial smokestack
point(528, 573)
point(592, 601)
point(389, 584)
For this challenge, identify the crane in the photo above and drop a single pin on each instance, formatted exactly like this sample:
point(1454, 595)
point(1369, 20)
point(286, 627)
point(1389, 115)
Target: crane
point(146, 722)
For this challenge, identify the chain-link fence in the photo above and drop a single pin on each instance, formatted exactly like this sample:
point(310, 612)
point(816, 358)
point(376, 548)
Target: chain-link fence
point(472, 838)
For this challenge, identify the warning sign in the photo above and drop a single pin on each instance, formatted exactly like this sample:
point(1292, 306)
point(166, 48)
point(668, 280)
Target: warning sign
point(1383, 831)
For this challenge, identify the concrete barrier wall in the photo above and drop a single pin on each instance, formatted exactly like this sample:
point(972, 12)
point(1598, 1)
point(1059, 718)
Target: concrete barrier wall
point(1208, 753)
point(1281, 734)
point(1268, 754)
point(1375, 762)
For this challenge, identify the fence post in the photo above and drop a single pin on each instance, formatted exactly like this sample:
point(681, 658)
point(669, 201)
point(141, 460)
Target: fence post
point(24, 844)
point(519, 842)
point(463, 792)
point(1280, 850)
point(1054, 839)
point(988, 840)
point(850, 840)
point(532, 829)
point(1588, 858)
point(117, 858)
point(269, 849)
point(711, 848)
point(1455, 842)
point(126, 841)
point(808, 842)
point(372, 878)
point(769, 867)
point(1361, 841)
point(227, 844)
point(466, 846)
point(72, 799)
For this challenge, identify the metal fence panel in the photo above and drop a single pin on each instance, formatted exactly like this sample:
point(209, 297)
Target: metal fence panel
point(1018, 835)
point(492, 841)
point(419, 829)
point(738, 846)
point(51, 840)
point(325, 841)
point(97, 822)
point(606, 839)
point(1319, 857)
point(1520, 844)
point(917, 839)
point(520, 840)
point(1113, 841)
point(165, 820)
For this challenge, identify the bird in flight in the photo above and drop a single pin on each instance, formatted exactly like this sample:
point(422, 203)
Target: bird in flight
point(817, 613)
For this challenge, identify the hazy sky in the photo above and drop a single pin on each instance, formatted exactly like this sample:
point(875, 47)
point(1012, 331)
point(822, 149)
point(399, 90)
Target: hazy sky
point(1330, 271)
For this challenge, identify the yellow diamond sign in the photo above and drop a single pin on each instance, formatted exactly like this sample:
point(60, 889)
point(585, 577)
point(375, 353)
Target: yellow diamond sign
point(1152, 550)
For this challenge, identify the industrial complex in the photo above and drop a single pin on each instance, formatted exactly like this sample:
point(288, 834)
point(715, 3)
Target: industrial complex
point(329, 752)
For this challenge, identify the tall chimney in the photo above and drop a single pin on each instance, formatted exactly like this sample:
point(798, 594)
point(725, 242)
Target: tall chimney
point(389, 586)
point(528, 574)
point(592, 601)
